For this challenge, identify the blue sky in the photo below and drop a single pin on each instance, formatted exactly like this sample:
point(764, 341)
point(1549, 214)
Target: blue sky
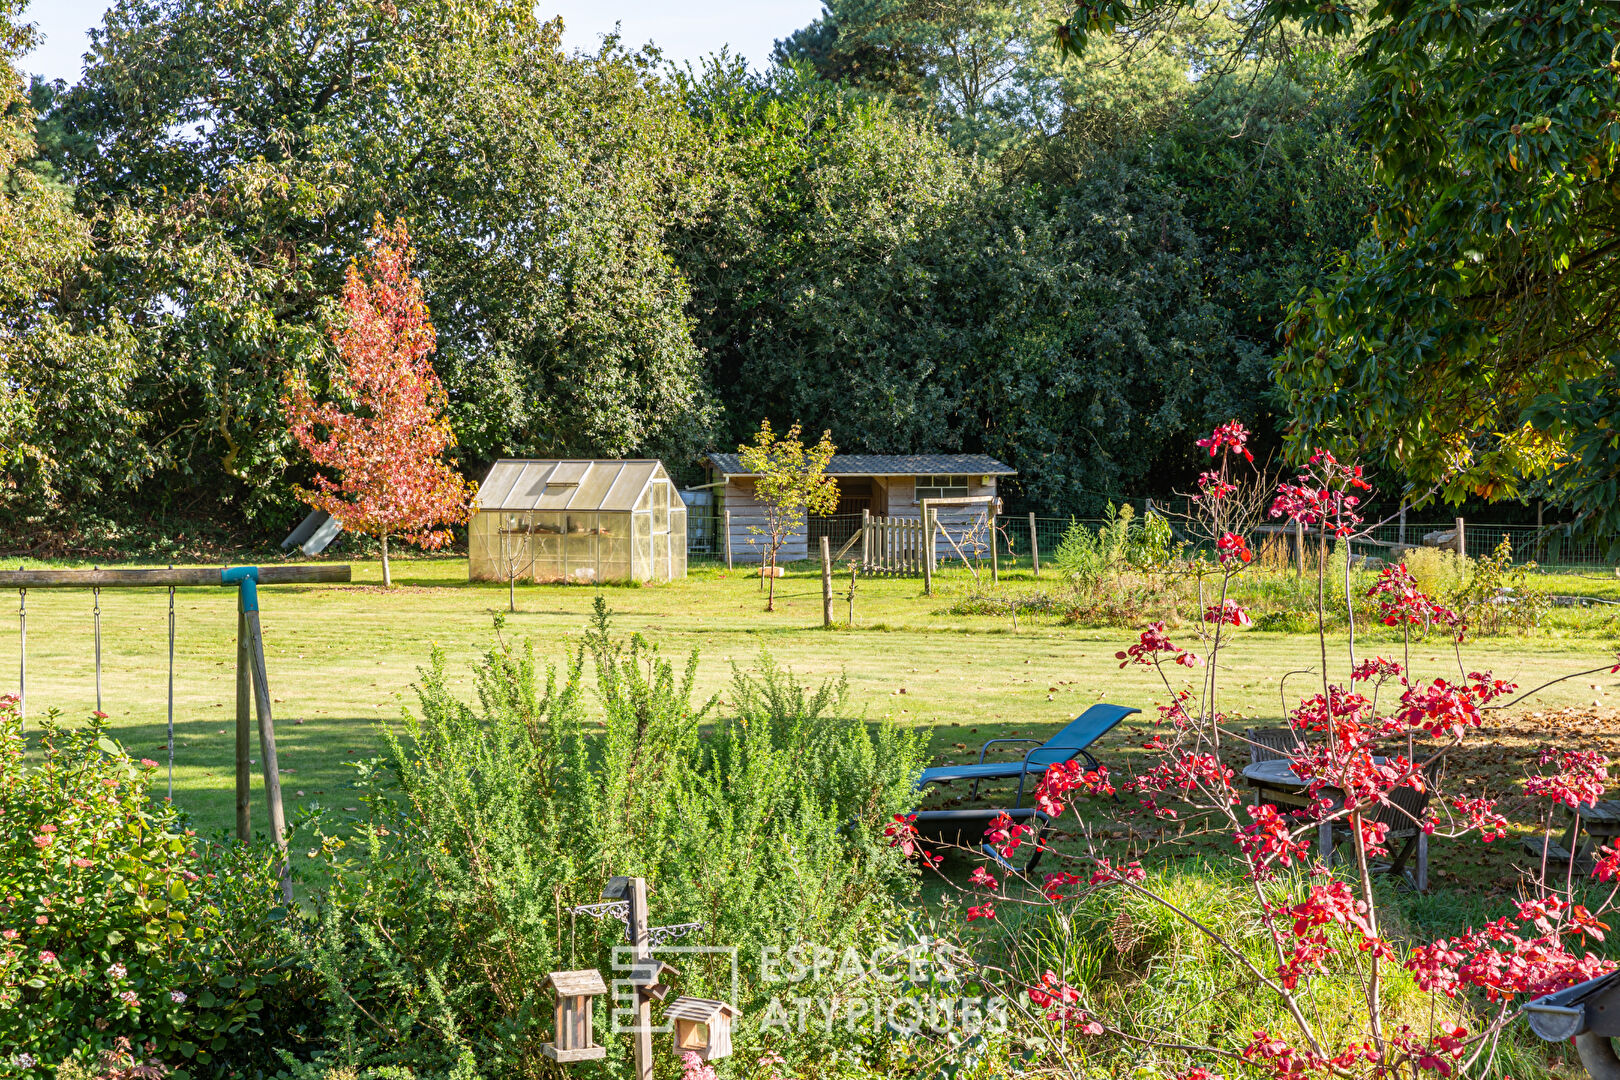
point(685, 31)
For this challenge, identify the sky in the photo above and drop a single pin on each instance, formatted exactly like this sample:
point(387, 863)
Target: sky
point(684, 29)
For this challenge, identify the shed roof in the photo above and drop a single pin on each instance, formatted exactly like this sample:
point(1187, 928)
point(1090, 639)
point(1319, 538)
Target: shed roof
point(551, 484)
point(887, 465)
point(700, 1009)
point(569, 983)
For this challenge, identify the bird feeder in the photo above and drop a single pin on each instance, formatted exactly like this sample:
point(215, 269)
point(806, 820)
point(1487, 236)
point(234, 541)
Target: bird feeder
point(575, 991)
point(702, 1027)
point(651, 978)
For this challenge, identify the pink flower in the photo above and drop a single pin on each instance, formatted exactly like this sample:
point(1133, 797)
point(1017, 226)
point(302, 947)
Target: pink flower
point(1228, 612)
point(42, 841)
point(148, 763)
point(1230, 435)
point(82, 863)
point(695, 1068)
point(130, 998)
point(47, 957)
point(1232, 546)
point(117, 971)
point(177, 996)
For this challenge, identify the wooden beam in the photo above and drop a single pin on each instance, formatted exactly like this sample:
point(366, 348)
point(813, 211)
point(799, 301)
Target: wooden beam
point(267, 747)
point(163, 578)
point(244, 731)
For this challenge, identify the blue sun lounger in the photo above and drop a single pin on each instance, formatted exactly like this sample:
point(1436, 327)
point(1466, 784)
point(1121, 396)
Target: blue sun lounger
point(1070, 743)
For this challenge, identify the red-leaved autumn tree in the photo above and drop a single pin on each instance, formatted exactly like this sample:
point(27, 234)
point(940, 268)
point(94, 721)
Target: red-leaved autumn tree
point(386, 435)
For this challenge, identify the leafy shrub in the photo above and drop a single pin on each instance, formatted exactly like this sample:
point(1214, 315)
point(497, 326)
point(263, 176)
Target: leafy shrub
point(1437, 572)
point(487, 823)
point(1497, 594)
point(120, 932)
point(1123, 542)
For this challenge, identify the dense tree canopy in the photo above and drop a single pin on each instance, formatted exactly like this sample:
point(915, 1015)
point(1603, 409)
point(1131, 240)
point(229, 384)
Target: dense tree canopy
point(922, 229)
point(1472, 336)
point(241, 150)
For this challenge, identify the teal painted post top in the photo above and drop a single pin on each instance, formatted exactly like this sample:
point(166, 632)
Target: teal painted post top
point(246, 580)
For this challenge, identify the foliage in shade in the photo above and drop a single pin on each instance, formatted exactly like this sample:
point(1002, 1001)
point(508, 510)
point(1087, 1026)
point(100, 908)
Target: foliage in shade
point(1472, 336)
point(389, 444)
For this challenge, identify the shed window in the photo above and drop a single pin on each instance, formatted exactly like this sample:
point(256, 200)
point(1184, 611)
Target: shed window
point(942, 487)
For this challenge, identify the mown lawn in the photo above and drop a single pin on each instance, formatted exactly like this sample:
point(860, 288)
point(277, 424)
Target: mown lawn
point(342, 661)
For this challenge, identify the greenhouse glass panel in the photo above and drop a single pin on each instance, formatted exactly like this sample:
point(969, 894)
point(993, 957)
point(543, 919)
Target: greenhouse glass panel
point(660, 507)
point(677, 543)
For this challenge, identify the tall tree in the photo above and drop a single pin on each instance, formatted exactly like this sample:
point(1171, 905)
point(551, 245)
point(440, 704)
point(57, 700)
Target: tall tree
point(1473, 337)
point(65, 414)
point(388, 443)
point(253, 142)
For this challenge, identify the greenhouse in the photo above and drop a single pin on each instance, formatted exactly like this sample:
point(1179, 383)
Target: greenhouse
point(577, 521)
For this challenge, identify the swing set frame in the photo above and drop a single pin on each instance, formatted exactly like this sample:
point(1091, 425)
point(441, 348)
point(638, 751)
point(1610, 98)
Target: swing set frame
point(252, 681)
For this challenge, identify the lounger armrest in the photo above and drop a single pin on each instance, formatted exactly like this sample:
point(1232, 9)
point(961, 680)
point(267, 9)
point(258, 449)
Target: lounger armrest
point(992, 742)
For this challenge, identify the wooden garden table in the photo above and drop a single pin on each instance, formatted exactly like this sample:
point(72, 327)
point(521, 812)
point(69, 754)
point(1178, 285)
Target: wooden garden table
point(1601, 824)
point(1276, 781)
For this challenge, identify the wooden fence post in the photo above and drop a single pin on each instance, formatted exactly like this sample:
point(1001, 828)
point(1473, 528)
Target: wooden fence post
point(826, 583)
point(866, 532)
point(1034, 546)
point(1299, 548)
point(1400, 537)
point(728, 539)
point(995, 566)
point(928, 550)
point(1462, 541)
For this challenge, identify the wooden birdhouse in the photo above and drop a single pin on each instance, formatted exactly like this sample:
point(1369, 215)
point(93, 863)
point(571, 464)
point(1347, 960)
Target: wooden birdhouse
point(702, 1027)
point(575, 991)
point(651, 978)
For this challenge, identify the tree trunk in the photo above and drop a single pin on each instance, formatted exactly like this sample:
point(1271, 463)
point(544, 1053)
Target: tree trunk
point(770, 596)
point(388, 578)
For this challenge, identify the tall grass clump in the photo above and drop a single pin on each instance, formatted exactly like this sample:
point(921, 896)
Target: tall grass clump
point(488, 821)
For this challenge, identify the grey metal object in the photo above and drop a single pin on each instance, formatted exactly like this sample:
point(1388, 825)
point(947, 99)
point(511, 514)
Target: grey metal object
point(886, 465)
point(1589, 1013)
point(314, 533)
point(620, 909)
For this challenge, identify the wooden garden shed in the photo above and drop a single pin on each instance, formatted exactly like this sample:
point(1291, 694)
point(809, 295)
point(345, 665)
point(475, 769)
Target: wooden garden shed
point(580, 521)
point(884, 485)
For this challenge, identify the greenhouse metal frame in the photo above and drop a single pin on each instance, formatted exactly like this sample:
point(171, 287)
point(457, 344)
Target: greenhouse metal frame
point(577, 521)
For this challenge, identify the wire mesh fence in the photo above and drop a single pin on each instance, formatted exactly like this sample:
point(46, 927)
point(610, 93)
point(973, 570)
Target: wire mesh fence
point(1554, 547)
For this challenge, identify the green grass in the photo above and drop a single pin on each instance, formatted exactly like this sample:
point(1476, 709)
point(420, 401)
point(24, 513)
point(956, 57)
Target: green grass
point(342, 660)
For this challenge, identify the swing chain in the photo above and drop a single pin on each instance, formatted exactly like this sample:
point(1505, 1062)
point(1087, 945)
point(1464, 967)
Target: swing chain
point(95, 613)
point(171, 691)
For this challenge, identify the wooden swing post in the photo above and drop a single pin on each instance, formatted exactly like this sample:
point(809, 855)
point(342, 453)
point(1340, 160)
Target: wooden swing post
point(252, 681)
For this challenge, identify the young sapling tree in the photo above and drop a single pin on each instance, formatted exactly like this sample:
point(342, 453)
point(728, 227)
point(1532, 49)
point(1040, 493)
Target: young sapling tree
point(790, 481)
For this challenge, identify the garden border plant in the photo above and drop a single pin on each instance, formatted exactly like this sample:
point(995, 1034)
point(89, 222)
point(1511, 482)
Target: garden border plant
point(1349, 996)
